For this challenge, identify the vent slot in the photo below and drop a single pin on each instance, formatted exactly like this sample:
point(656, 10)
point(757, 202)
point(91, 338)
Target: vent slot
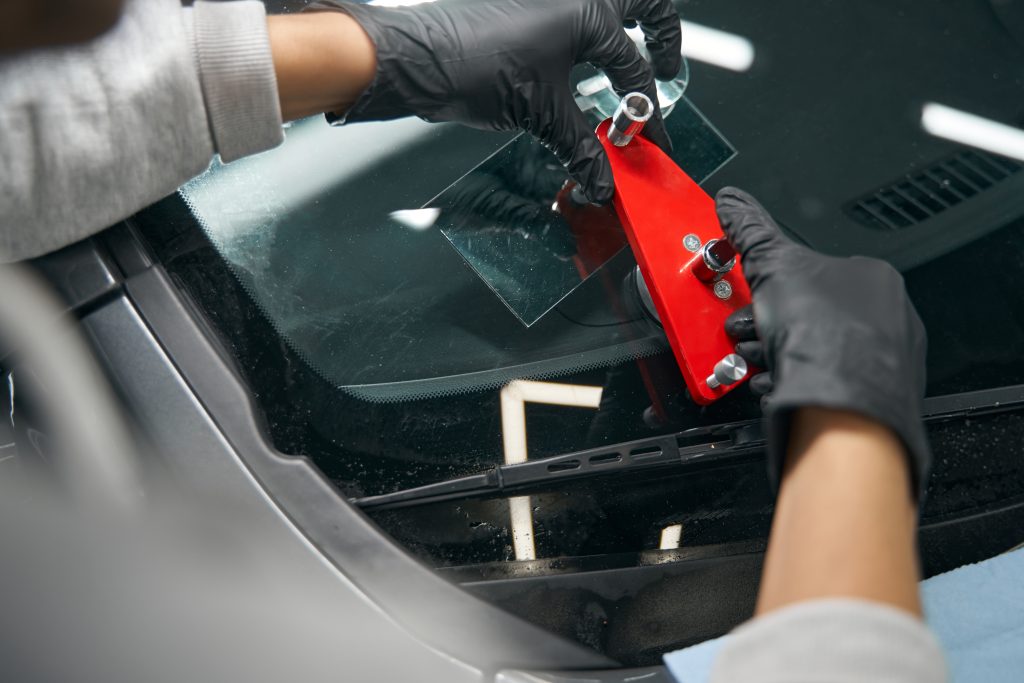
point(565, 466)
point(927, 193)
point(646, 452)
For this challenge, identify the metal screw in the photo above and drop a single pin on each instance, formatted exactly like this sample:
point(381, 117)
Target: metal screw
point(729, 370)
point(691, 243)
point(723, 290)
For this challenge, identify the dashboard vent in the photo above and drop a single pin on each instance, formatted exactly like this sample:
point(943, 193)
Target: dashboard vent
point(926, 193)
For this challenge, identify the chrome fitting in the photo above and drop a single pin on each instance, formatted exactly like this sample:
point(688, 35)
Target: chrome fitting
point(717, 258)
point(633, 112)
point(729, 370)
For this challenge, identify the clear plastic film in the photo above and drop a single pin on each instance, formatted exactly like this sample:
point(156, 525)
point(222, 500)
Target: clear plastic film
point(507, 218)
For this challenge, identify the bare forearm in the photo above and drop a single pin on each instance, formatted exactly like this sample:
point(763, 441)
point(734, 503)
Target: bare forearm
point(845, 520)
point(324, 61)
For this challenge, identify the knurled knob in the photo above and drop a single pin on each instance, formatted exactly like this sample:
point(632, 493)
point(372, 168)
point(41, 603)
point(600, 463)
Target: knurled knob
point(729, 370)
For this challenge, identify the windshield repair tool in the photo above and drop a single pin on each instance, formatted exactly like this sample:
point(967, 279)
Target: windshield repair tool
point(688, 271)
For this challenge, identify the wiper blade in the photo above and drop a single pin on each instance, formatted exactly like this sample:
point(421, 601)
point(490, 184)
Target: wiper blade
point(698, 446)
point(693, 447)
point(973, 403)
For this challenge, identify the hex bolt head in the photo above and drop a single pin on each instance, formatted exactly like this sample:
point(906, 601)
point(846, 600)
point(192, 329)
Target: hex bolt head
point(729, 370)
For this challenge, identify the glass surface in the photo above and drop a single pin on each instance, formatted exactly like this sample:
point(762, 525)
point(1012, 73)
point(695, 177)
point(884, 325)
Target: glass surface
point(366, 289)
point(388, 315)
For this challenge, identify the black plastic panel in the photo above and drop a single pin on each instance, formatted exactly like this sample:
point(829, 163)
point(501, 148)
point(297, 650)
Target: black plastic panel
point(395, 581)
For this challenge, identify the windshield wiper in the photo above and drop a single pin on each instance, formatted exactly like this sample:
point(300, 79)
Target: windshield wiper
point(969, 403)
point(697, 447)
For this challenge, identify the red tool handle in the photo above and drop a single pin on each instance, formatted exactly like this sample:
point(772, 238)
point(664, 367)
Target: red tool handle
point(672, 226)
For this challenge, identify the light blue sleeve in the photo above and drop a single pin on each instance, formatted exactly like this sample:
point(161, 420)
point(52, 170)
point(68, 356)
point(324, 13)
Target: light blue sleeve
point(828, 641)
point(975, 612)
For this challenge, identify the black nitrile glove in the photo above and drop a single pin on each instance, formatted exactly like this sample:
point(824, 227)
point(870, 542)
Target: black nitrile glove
point(835, 333)
point(505, 65)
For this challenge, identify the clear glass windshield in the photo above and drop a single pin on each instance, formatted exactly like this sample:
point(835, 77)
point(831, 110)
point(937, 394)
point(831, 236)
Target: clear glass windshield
point(344, 237)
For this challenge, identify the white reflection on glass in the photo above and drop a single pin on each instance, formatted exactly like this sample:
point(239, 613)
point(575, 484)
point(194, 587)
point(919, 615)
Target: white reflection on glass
point(514, 398)
point(711, 46)
point(416, 219)
point(971, 129)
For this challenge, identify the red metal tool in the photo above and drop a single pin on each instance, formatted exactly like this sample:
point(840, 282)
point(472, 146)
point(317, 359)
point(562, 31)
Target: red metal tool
point(693, 276)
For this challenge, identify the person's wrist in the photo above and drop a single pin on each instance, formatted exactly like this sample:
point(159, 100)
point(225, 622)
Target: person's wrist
point(845, 518)
point(842, 368)
point(324, 61)
point(845, 439)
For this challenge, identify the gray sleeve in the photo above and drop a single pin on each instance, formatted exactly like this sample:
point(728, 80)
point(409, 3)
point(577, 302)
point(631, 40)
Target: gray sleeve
point(92, 133)
point(237, 74)
point(831, 641)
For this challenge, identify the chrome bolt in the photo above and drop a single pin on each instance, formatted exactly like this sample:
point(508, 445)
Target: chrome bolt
point(723, 290)
point(729, 370)
point(633, 112)
point(691, 243)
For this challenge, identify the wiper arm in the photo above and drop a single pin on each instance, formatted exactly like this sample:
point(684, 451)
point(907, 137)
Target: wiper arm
point(698, 446)
point(692, 447)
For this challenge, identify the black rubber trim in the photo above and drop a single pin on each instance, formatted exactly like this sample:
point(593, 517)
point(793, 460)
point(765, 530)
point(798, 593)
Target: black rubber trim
point(942, 540)
point(645, 610)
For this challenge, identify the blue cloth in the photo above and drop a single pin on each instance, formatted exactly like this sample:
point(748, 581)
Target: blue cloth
point(693, 664)
point(976, 612)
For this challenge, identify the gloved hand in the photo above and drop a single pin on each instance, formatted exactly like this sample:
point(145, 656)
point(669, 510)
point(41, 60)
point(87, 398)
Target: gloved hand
point(505, 65)
point(833, 333)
